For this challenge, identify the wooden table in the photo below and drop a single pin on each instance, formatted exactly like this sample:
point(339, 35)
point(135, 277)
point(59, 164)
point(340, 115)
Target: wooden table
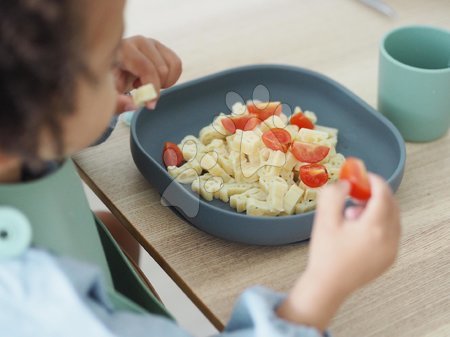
point(339, 39)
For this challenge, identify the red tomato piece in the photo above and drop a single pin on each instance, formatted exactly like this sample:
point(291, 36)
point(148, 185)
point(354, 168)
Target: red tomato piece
point(246, 123)
point(354, 171)
point(301, 121)
point(314, 175)
point(172, 155)
point(264, 110)
point(309, 153)
point(228, 124)
point(277, 139)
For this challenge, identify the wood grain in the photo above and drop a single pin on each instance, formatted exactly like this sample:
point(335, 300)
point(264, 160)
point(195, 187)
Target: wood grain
point(339, 39)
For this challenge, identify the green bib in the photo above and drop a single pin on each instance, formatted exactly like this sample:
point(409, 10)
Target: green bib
point(63, 223)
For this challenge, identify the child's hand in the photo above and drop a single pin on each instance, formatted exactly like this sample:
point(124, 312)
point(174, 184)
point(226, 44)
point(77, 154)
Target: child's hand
point(350, 250)
point(346, 252)
point(142, 60)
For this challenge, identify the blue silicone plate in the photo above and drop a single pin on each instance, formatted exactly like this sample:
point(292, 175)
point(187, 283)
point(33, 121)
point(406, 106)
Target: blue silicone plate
point(186, 108)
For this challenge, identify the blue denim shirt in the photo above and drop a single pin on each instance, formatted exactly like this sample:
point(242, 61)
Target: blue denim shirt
point(44, 295)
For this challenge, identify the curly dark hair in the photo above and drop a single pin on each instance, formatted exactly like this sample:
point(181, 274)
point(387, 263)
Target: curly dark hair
point(40, 56)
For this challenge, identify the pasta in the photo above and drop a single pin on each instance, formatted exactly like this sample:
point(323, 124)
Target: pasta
point(242, 163)
point(144, 94)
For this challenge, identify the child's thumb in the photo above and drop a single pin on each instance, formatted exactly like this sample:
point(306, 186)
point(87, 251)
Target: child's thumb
point(124, 103)
point(331, 203)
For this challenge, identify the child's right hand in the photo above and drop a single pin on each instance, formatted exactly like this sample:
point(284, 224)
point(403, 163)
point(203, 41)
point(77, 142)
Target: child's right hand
point(347, 251)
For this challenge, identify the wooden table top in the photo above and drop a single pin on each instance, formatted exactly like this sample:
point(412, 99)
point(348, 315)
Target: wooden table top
point(339, 39)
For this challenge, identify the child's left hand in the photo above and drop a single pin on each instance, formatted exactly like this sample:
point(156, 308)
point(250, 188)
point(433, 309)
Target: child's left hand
point(141, 61)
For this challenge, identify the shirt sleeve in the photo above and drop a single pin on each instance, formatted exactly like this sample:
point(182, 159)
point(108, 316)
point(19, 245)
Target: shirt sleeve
point(254, 315)
point(68, 298)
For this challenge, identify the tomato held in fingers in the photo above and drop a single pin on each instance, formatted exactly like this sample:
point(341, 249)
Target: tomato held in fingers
point(172, 155)
point(314, 175)
point(309, 153)
point(354, 171)
point(265, 109)
point(246, 123)
point(277, 139)
point(301, 121)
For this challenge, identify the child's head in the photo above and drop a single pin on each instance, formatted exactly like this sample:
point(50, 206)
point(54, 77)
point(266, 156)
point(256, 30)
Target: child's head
point(57, 88)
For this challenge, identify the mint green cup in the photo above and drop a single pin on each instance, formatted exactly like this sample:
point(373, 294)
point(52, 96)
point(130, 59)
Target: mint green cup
point(414, 81)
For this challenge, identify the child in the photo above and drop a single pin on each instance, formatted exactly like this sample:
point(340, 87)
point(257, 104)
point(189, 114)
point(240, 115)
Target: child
point(61, 64)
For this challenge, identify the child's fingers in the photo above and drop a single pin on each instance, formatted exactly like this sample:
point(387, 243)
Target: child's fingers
point(148, 48)
point(354, 212)
point(151, 105)
point(331, 203)
point(124, 103)
point(383, 216)
point(135, 62)
point(124, 80)
point(381, 204)
point(173, 62)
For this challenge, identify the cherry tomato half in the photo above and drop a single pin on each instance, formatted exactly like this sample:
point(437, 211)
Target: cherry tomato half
point(355, 172)
point(264, 110)
point(313, 175)
point(309, 153)
point(246, 123)
point(301, 121)
point(172, 155)
point(277, 139)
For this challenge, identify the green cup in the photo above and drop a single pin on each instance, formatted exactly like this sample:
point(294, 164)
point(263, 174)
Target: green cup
point(414, 81)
